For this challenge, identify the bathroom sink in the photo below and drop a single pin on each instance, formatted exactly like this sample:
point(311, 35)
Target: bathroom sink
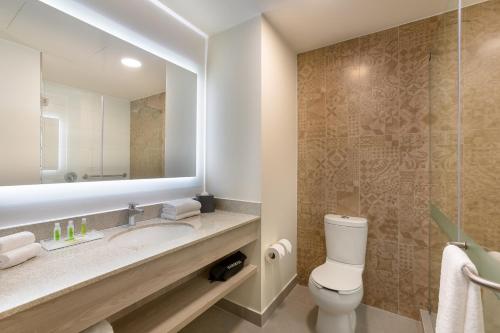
point(151, 235)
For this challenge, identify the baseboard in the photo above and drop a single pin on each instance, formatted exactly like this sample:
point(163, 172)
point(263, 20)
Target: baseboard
point(253, 316)
point(268, 311)
point(241, 311)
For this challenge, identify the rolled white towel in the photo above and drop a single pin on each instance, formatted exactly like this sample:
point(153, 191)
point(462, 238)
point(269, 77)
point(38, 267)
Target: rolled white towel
point(101, 327)
point(19, 255)
point(14, 241)
point(180, 216)
point(181, 206)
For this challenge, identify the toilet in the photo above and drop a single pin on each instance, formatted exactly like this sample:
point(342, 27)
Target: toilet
point(337, 285)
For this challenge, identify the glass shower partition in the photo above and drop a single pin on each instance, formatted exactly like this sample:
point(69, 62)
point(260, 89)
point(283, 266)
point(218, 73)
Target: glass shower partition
point(480, 138)
point(465, 144)
point(443, 143)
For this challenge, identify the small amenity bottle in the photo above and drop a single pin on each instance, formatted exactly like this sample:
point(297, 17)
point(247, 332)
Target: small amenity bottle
point(57, 232)
point(83, 227)
point(70, 230)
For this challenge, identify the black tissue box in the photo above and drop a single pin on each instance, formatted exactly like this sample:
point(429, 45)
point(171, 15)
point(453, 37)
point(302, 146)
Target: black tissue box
point(207, 203)
point(228, 267)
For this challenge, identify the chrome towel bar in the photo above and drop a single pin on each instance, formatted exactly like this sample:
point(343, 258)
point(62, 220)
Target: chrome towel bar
point(86, 176)
point(480, 281)
point(473, 276)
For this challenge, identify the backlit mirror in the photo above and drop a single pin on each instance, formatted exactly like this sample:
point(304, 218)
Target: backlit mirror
point(77, 104)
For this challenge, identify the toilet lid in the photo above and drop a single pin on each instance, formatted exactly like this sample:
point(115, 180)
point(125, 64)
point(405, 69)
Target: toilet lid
point(344, 278)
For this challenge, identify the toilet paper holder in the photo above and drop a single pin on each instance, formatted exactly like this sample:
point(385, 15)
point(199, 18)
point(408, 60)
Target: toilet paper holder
point(278, 250)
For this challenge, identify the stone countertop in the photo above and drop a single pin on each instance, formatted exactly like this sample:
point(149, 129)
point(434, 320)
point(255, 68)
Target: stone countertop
point(58, 272)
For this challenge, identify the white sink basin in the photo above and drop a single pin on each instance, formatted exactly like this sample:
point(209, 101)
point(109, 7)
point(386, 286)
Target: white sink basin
point(150, 235)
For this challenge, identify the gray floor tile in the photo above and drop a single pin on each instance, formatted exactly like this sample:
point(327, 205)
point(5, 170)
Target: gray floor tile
point(297, 314)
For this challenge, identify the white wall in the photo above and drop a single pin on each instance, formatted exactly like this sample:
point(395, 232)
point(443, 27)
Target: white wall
point(80, 119)
point(279, 158)
point(180, 118)
point(252, 143)
point(233, 113)
point(79, 114)
point(116, 141)
point(19, 114)
point(233, 129)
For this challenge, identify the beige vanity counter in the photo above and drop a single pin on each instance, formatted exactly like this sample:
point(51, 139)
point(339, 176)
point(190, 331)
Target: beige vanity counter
point(47, 279)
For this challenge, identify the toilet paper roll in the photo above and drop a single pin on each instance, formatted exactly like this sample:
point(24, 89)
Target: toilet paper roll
point(275, 252)
point(286, 244)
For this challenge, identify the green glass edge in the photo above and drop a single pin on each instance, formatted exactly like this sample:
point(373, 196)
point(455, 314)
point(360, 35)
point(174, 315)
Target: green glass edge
point(487, 266)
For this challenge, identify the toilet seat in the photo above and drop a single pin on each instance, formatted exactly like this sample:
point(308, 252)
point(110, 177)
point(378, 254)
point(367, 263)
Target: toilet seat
point(342, 278)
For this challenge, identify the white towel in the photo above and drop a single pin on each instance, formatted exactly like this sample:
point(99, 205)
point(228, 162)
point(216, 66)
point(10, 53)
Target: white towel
point(14, 241)
point(101, 327)
point(180, 216)
point(460, 309)
point(19, 255)
point(181, 206)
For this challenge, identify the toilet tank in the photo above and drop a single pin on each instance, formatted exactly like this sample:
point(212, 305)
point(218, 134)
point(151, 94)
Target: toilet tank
point(346, 238)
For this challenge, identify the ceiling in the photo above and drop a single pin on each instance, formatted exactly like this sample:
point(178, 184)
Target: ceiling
point(79, 55)
point(310, 24)
point(213, 16)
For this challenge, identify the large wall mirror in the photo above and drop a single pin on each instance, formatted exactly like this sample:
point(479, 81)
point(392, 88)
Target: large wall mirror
point(78, 105)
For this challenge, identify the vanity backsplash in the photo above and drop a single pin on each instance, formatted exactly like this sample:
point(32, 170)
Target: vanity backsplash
point(100, 221)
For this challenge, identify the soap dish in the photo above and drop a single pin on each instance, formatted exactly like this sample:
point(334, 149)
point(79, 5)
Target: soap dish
point(51, 245)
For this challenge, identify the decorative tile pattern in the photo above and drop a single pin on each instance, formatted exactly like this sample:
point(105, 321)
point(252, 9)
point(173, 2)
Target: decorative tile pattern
point(481, 125)
point(481, 119)
point(147, 137)
point(364, 151)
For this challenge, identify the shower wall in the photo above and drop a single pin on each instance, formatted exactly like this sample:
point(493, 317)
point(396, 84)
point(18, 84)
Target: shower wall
point(147, 137)
point(481, 123)
point(480, 136)
point(443, 144)
point(364, 151)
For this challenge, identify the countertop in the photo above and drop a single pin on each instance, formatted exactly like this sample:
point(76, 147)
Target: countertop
point(58, 272)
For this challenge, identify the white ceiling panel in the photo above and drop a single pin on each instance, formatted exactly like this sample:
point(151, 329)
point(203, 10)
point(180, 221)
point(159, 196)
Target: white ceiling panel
point(8, 11)
point(310, 24)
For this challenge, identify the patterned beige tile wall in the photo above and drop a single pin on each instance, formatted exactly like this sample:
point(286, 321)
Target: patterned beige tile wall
point(481, 128)
point(147, 137)
point(481, 123)
point(443, 109)
point(364, 150)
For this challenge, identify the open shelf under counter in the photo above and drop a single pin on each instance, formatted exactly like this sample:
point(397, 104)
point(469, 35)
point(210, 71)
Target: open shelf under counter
point(174, 310)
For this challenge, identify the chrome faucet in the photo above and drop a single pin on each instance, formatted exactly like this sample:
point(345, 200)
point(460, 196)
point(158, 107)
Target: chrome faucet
point(133, 210)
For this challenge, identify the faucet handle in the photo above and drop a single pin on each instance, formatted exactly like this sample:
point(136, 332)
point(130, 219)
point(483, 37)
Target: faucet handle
point(132, 206)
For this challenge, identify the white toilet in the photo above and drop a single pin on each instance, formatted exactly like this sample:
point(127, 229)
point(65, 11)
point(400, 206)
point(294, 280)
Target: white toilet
point(337, 285)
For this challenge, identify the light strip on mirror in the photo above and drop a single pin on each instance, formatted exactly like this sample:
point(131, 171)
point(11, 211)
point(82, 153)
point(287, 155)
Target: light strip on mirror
point(62, 146)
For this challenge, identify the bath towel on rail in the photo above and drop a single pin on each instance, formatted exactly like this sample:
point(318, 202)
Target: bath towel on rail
point(460, 309)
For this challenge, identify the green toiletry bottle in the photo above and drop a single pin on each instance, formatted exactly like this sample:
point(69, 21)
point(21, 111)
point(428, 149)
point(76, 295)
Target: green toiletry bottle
point(71, 231)
point(57, 232)
point(83, 227)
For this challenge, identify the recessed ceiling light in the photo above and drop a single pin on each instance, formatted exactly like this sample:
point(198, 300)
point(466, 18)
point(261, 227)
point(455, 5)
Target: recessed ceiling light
point(130, 62)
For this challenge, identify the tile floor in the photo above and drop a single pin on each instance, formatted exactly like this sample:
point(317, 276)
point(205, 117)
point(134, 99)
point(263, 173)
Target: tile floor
point(297, 314)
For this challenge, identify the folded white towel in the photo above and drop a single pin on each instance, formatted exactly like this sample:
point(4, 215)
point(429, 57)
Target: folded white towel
point(101, 327)
point(460, 309)
point(180, 216)
point(14, 241)
point(181, 206)
point(19, 255)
